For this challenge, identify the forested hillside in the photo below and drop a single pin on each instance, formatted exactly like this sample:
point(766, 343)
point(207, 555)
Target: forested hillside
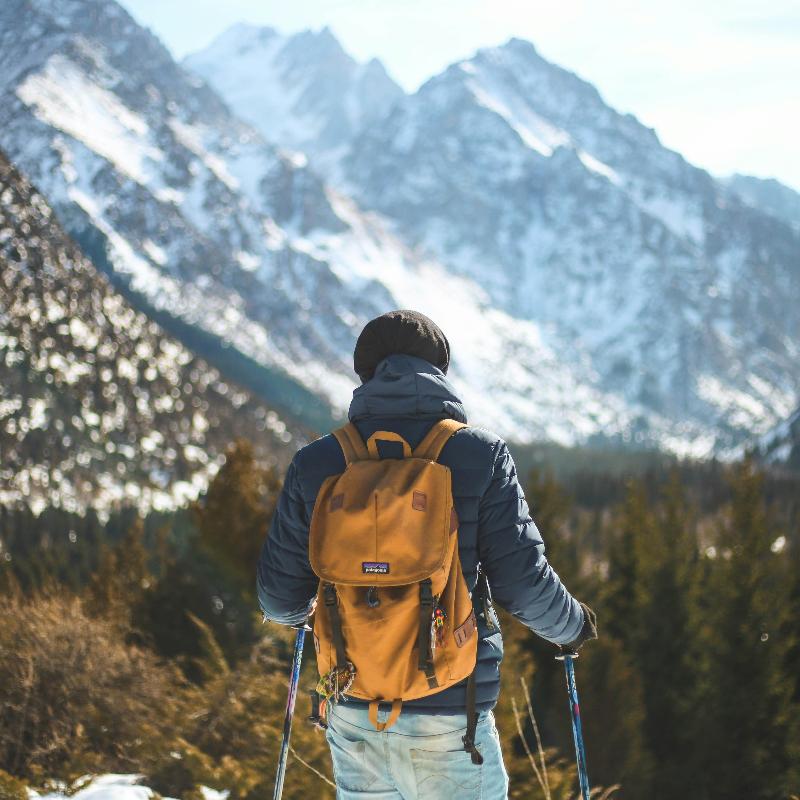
point(98, 406)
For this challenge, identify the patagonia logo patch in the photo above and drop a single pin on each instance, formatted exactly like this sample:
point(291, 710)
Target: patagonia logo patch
point(375, 567)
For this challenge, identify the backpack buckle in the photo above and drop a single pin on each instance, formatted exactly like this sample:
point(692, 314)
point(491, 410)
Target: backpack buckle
point(373, 601)
point(317, 716)
point(329, 590)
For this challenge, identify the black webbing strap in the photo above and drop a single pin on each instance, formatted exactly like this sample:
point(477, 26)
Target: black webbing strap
point(472, 722)
point(424, 636)
point(332, 607)
point(430, 674)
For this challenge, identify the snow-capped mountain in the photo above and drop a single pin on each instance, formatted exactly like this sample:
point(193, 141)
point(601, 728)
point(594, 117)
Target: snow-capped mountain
point(768, 195)
point(97, 405)
point(515, 173)
point(172, 195)
point(227, 240)
point(302, 91)
point(592, 283)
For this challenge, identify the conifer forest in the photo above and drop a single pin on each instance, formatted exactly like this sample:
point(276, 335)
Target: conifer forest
point(133, 645)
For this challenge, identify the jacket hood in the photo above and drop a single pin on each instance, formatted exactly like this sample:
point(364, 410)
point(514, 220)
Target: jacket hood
point(406, 386)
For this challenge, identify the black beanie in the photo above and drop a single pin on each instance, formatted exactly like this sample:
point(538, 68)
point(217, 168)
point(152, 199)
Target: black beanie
point(406, 332)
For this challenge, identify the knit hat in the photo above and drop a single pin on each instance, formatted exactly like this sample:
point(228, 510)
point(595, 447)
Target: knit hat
point(406, 332)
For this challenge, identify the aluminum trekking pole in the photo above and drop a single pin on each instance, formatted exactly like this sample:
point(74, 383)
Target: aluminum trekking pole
point(567, 657)
point(294, 679)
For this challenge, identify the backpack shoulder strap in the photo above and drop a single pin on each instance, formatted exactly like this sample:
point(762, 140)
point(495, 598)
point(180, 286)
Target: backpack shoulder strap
point(352, 444)
point(436, 438)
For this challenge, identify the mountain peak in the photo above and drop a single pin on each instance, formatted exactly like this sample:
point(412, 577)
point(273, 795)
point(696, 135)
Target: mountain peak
point(522, 46)
point(310, 44)
point(563, 239)
point(240, 37)
point(311, 95)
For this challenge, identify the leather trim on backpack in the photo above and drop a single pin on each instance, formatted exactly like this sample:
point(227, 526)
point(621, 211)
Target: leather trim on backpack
point(463, 632)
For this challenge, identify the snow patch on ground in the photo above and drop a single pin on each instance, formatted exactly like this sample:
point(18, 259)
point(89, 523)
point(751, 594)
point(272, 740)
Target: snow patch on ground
point(595, 165)
point(674, 212)
point(115, 787)
point(740, 408)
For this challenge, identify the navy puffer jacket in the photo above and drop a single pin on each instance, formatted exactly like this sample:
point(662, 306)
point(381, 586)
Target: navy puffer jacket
point(407, 395)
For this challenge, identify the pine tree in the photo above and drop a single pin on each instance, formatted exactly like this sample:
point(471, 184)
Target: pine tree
point(666, 646)
point(791, 634)
point(746, 699)
point(233, 517)
point(632, 531)
point(122, 578)
point(614, 711)
point(611, 697)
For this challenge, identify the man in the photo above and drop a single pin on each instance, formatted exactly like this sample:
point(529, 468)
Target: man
point(402, 359)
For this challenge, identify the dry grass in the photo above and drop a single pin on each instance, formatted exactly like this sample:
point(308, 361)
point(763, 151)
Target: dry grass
point(539, 762)
point(11, 788)
point(73, 695)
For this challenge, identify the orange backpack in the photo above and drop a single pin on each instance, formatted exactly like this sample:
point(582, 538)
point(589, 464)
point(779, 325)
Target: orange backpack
point(394, 619)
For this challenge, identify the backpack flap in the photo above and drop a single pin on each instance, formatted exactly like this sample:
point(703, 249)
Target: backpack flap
point(383, 523)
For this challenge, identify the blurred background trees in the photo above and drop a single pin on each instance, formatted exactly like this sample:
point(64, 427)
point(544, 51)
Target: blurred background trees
point(135, 645)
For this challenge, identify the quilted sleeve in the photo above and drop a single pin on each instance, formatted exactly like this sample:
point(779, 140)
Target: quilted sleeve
point(512, 554)
point(285, 583)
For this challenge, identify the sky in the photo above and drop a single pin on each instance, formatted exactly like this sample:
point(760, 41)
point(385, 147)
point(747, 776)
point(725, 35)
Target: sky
point(719, 80)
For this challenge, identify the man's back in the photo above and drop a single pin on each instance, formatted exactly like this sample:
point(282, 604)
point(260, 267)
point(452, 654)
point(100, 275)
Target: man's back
point(407, 396)
point(440, 746)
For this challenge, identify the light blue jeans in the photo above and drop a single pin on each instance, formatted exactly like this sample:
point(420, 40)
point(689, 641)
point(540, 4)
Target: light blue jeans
point(421, 757)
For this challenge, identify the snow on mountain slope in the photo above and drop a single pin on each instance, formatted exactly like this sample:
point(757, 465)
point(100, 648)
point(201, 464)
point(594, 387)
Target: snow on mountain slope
point(189, 205)
point(97, 406)
point(205, 223)
point(506, 373)
point(303, 92)
point(633, 264)
point(781, 445)
point(514, 173)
